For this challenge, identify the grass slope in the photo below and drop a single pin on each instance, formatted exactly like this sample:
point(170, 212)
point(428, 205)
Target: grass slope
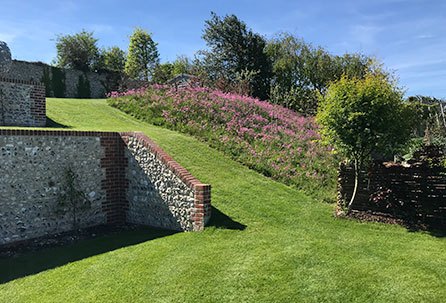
point(291, 250)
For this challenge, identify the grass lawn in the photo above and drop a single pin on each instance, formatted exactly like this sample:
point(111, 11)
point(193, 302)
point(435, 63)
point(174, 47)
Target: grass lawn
point(266, 243)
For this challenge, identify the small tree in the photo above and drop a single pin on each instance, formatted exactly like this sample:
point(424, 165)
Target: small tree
point(142, 55)
point(78, 51)
point(364, 116)
point(72, 198)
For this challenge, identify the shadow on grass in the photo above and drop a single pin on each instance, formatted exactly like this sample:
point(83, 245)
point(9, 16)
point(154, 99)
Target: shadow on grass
point(35, 262)
point(434, 231)
point(220, 220)
point(50, 123)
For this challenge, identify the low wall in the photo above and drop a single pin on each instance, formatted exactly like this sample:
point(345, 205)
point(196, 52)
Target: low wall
point(160, 188)
point(124, 176)
point(22, 103)
point(416, 193)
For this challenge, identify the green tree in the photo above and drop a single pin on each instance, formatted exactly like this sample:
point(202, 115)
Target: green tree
point(110, 59)
point(78, 51)
point(364, 116)
point(162, 73)
point(431, 115)
point(302, 71)
point(72, 198)
point(182, 65)
point(233, 49)
point(142, 55)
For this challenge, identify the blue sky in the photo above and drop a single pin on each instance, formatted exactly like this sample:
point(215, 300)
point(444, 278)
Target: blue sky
point(408, 36)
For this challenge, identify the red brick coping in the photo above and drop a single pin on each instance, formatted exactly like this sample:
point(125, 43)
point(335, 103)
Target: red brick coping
point(114, 162)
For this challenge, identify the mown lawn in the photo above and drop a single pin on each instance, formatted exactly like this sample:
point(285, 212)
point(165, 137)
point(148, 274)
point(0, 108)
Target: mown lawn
point(268, 243)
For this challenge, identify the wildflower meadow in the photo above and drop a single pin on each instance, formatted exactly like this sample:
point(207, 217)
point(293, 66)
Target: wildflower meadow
point(268, 138)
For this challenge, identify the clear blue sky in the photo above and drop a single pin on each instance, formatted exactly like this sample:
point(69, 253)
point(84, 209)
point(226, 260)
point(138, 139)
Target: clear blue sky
point(409, 36)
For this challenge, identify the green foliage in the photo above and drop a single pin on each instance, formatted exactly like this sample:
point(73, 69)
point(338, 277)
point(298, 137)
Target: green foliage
point(46, 79)
point(54, 80)
point(364, 116)
point(302, 71)
point(58, 82)
point(431, 112)
point(162, 73)
point(182, 65)
point(78, 51)
point(83, 87)
point(142, 55)
point(71, 198)
point(113, 59)
point(233, 49)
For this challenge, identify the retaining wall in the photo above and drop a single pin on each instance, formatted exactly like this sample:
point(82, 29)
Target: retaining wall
point(126, 177)
point(22, 103)
point(160, 188)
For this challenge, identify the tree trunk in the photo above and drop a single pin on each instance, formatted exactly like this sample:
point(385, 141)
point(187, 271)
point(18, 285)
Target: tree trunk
point(355, 189)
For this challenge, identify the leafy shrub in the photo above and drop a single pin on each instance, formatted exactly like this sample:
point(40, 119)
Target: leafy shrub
point(269, 138)
point(83, 87)
point(58, 82)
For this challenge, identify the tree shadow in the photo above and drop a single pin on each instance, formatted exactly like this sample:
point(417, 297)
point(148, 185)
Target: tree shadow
point(438, 231)
point(220, 220)
point(35, 262)
point(50, 123)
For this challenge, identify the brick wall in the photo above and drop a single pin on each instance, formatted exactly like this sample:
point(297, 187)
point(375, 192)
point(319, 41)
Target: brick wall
point(115, 182)
point(22, 103)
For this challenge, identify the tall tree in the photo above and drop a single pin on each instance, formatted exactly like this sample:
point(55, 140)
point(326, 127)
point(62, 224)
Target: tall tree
point(302, 71)
point(78, 51)
point(142, 55)
point(235, 49)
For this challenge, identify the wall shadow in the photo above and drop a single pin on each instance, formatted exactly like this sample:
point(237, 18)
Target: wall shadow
point(220, 220)
point(34, 262)
point(50, 123)
point(153, 212)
